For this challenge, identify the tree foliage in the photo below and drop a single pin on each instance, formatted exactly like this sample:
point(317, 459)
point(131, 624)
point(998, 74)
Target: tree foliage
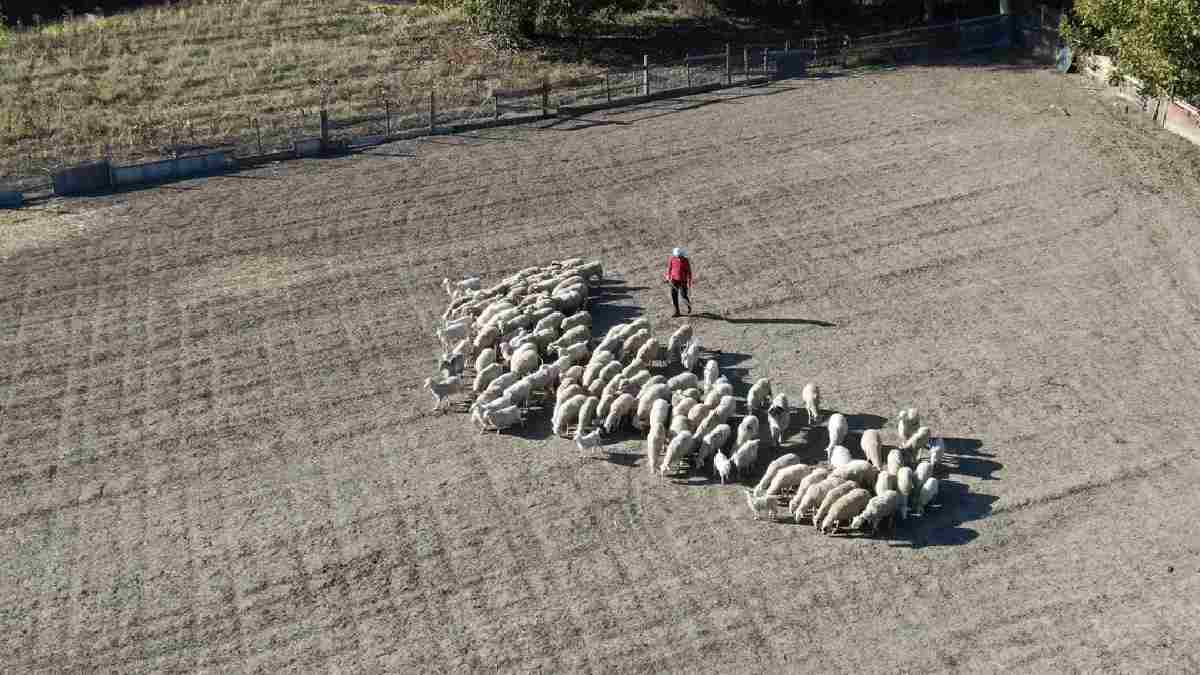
point(1155, 41)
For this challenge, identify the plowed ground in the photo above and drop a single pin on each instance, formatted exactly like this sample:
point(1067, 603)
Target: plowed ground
point(217, 455)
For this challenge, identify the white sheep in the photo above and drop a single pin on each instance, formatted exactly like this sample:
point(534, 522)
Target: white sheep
point(872, 447)
point(587, 412)
point(764, 505)
point(676, 450)
point(723, 465)
point(518, 392)
point(656, 445)
point(837, 427)
point(442, 390)
point(929, 490)
point(611, 391)
point(710, 422)
point(646, 399)
point(839, 455)
point(576, 352)
point(678, 341)
point(486, 358)
point(682, 405)
point(883, 506)
point(698, 413)
point(937, 452)
point(570, 337)
point(660, 414)
point(917, 442)
point(814, 494)
point(845, 509)
point(576, 320)
point(683, 381)
point(453, 288)
point(452, 333)
point(691, 355)
point(788, 477)
point(885, 481)
point(779, 418)
point(778, 463)
point(859, 470)
point(759, 395)
point(832, 496)
point(711, 372)
point(811, 395)
point(748, 430)
point(907, 421)
point(503, 418)
point(923, 472)
point(566, 391)
point(906, 485)
point(639, 378)
point(552, 319)
point(575, 373)
point(487, 336)
point(895, 460)
point(619, 410)
point(814, 477)
point(680, 423)
point(745, 456)
point(711, 442)
point(649, 353)
point(567, 413)
point(501, 383)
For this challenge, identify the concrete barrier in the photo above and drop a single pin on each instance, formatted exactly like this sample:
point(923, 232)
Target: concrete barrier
point(11, 200)
point(82, 179)
point(169, 169)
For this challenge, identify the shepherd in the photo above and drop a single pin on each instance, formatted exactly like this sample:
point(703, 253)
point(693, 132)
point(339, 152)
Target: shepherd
point(679, 275)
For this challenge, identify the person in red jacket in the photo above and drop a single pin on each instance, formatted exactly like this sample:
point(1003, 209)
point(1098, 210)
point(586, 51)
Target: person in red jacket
point(679, 275)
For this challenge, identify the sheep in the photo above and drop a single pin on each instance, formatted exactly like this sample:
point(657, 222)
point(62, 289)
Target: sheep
point(566, 413)
point(717, 392)
point(620, 409)
point(566, 391)
point(487, 336)
point(759, 395)
point(710, 422)
point(452, 333)
point(837, 427)
point(639, 378)
point(575, 372)
point(608, 372)
point(518, 392)
point(646, 399)
point(787, 477)
point(442, 390)
point(760, 505)
point(592, 269)
point(570, 337)
point(907, 422)
point(860, 471)
point(895, 460)
point(656, 445)
point(680, 423)
point(693, 393)
point(831, 497)
point(588, 442)
point(745, 456)
point(691, 355)
point(611, 391)
point(872, 448)
point(839, 455)
point(929, 490)
point(711, 372)
point(576, 351)
point(576, 320)
point(590, 372)
point(882, 506)
point(779, 417)
point(725, 408)
point(587, 412)
point(845, 509)
point(491, 311)
point(612, 345)
point(544, 377)
point(649, 353)
point(678, 340)
point(570, 299)
point(682, 405)
point(747, 430)
point(676, 450)
point(486, 358)
point(543, 338)
point(698, 413)
point(811, 395)
point(923, 472)
point(629, 329)
point(937, 452)
point(632, 344)
point(453, 288)
point(551, 320)
point(816, 476)
point(885, 481)
point(711, 442)
point(772, 468)
point(814, 494)
point(723, 465)
point(501, 383)
point(917, 442)
point(503, 418)
point(906, 487)
point(452, 365)
point(660, 414)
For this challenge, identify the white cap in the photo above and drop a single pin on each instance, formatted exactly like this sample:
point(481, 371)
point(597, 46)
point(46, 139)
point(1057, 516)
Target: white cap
point(679, 252)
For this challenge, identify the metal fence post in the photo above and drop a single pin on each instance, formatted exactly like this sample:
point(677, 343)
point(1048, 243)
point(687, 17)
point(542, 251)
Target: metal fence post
point(432, 114)
point(728, 64)
point(646, 74)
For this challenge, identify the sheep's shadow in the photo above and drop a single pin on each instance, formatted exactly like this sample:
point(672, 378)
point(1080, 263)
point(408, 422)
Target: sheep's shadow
point(941, 525)
point(602, 305)
point(963, 456)
point(859, 422)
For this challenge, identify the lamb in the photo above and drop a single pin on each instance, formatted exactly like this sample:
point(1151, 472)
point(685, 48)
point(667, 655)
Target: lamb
point(816, 476)
point(683, 381)
point(772, 468)
point(745, 456)
point(678, 447)
point(587, 412)
point(678, 340)
point(929, 490)
point(860, 471)
point(502, 418)
point(883, 506)
point(837, 427)
point(621, 407)
point(691, 355)
point(839, 456)
point(811, 395)
point(872, 448)
point(486, 358)
point(845, 509)
point(759, 395)
point(711, 372)
point(895, 460)
point(814, 495)
point(656, 445)
point(723, 465)
point(787, 477)
point(577, 319)
point(761, 505)
point(566, 413)
point(442, 390)
point(748, 430)
point(711, 442)
point(779, 417)
point(831, 497)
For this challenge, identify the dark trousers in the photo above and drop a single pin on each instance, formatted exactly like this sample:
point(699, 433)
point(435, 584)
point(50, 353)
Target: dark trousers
point(676, 290)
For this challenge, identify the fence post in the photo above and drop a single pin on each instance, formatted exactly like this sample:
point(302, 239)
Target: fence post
point(746, 63)
point(387, 112)
point(432, 114)
point(495, 105)
point(728, 64)
point(258, 133)
point(687, 64)
point(766, 63)
point(646, 74)
point(607, 87)
point(545, 98)
point(787, 46)
point(324, 131)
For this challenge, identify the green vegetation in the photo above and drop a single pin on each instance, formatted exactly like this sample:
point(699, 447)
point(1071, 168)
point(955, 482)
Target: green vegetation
point(1155, 41)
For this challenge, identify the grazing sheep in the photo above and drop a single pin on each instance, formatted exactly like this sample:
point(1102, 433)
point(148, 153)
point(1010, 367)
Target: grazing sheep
point(639, 378)
point(929, 490)
point(678, 341)
point(711, 442)
point(917, 442)
point(759, 396)
point(676, 450)
point(723, 465)
point(725, 408)
point(567, 413)
point(679, 424)
point(633, 343)
point(656, 445)
point(710, 422)
point(816, 476)
point(885, 481)
point(711, 372)
point(883, 506)
point(660, 414)
point(895, 460)
point(570, 337)
point(501, 383)
point(839, 455)
point(717, 392)
point(837, 427)
point(845, 509)
point(814, 495)
point(832, 496)
point(693, 393)
point(608, 372)
point(937, 452)
point(503, 418)
point(649, 352)
point(683, 381)
point(518, 392)
point(811, 395)
point(525, 361)
point(611, 391)
point(452, 334)
point(646, 399)
point(575, 373)
point(682, 406)
point(860, 471)
point(567, 391)
point(576, 320)
point(625, 331)
point(907, 422)
point(553, 319)
point(923, 472)
point(486, 358)
point(691, 355)
point(772, 468)
point(442, 390)
point(779, 417)
point(745, 456)
point(453, 288)
point(788, 477)
point(906, 485)
point(587, 412)
point(451, 365)
point(576, 352)
point(620, 409)
point(761, 505)
point(748, 430)
point(872, 448)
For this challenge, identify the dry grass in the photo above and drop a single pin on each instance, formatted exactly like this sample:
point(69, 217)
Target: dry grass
point(140, 82)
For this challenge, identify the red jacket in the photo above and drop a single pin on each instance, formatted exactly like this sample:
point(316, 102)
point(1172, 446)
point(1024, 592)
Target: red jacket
point(679, 271)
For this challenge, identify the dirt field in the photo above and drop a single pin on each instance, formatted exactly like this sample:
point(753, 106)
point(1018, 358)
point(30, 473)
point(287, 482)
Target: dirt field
point(216, 454)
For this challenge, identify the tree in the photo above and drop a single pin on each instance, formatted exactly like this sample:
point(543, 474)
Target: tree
point(1156, 42)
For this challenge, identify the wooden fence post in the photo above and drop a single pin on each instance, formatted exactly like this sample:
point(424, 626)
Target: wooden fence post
point(728, 64)
point(495, 105)
point(607, 87)
point(646, 74)
point(432, 114)
point(545, 98)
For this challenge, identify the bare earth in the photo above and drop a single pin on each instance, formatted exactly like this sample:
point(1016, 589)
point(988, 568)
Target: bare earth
point(216, 454)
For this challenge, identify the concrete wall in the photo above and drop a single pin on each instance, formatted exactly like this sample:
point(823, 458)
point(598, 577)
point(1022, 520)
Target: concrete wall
point(82, 179)
point(1176, 116)
point(169, 169)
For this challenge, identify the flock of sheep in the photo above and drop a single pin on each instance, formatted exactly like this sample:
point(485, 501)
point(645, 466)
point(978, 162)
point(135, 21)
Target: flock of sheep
point(530, 336)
